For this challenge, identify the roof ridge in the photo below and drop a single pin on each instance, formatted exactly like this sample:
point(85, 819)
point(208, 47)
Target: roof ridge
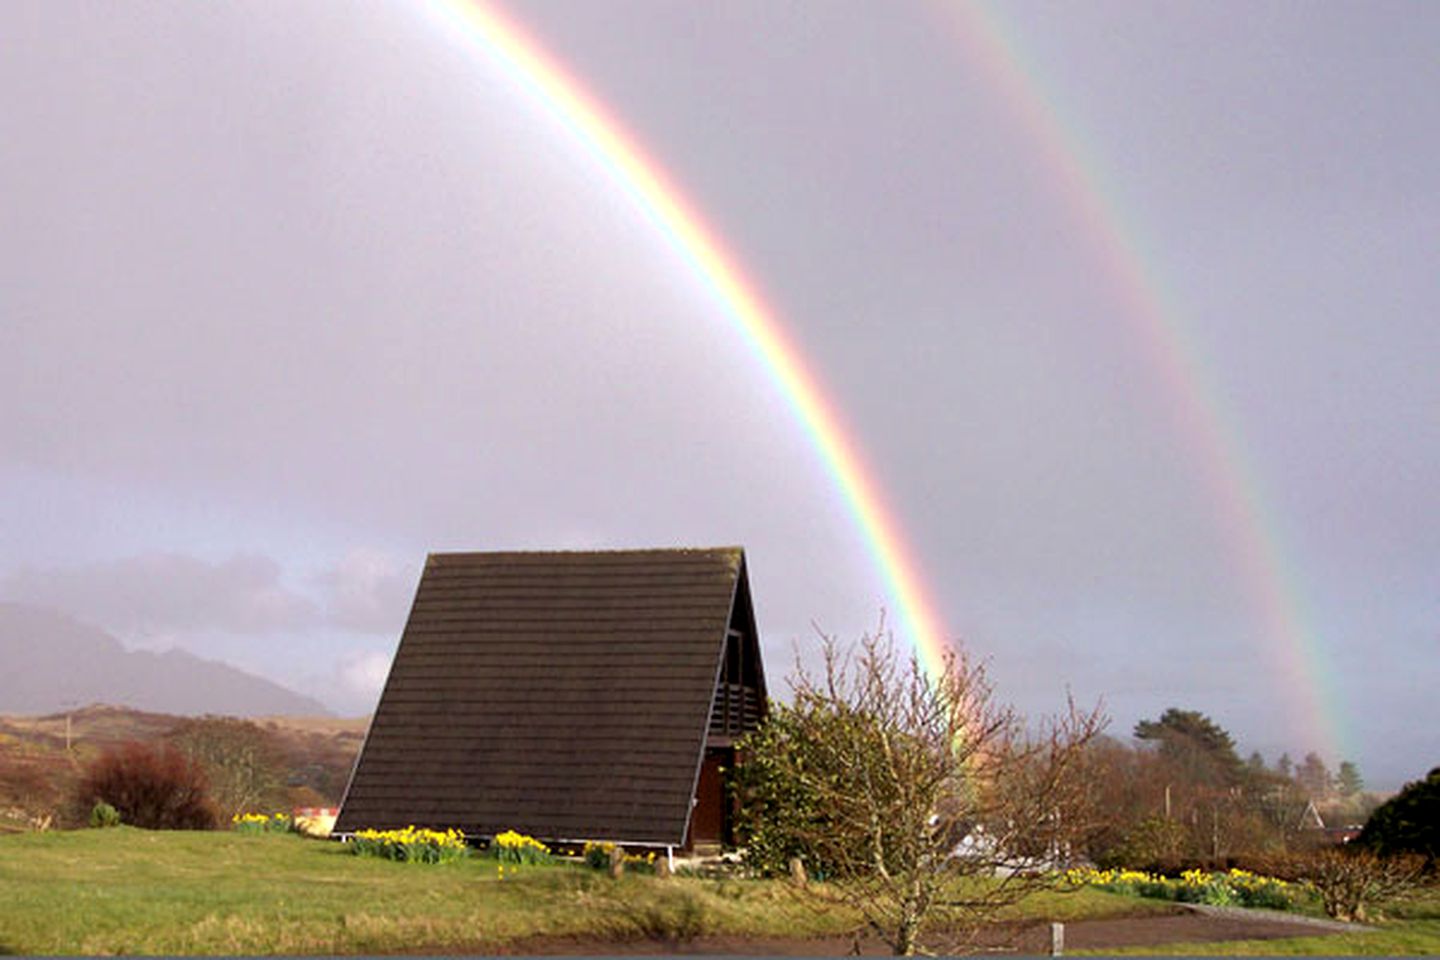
point(728, 548)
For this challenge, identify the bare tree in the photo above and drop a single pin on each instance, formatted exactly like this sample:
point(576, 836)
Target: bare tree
point(929, 804)
point(241, 760)
point(1351, 882)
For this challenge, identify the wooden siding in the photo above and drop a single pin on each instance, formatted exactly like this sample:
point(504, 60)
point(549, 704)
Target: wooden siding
point(565, 695)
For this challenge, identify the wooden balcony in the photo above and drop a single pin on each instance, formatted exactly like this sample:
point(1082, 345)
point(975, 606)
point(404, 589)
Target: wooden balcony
point(737, 710)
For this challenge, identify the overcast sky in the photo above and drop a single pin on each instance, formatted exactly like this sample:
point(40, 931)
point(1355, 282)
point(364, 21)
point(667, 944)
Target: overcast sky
point(292, 294)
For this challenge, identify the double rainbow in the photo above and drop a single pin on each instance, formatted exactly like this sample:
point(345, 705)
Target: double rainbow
point(1158, 328)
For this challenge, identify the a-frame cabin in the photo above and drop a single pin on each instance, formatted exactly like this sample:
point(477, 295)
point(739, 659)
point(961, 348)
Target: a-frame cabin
point(571, 696)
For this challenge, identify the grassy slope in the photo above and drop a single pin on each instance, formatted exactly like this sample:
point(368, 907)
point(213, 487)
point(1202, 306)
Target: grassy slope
point(133, 891)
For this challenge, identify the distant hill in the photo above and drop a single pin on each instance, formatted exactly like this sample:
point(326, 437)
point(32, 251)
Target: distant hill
point(42, 758)
point(53, 663)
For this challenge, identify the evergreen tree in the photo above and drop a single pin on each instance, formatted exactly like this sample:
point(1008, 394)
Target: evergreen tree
point(1196, 744)
point(1349, 781)
point(1313, 776)
point(1284, 766)
point(1408, 822)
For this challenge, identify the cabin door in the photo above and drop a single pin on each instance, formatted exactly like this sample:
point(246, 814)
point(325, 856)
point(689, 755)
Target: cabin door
point(708, 819)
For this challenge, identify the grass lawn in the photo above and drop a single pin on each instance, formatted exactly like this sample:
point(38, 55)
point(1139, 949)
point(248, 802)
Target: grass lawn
point(136, 891)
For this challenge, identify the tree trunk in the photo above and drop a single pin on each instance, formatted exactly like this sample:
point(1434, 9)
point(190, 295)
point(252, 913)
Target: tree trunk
point(905, 937)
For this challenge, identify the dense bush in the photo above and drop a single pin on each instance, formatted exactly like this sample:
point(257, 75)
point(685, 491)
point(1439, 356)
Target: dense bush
point(1408, 822)
point(778, 814)
point(157, 788)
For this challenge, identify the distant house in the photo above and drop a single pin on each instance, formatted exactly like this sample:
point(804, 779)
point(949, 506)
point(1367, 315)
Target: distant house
point(1310, 818)
point(571, 696)
point(1311, 822)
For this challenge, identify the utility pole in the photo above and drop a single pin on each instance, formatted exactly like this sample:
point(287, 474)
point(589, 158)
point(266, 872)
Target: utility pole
point(69, 706)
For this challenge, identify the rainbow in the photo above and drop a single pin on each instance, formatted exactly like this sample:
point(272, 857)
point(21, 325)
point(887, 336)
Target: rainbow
point(1251, 529)
point(1159, 330)
point(611, 146)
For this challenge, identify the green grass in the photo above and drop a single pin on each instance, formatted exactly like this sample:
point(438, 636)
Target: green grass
point(1070, 906)
point(1407, 928)
point(133, 891)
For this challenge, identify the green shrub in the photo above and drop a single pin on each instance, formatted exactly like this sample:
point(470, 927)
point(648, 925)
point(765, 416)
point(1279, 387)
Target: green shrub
point(778, 816)
point(103, 815)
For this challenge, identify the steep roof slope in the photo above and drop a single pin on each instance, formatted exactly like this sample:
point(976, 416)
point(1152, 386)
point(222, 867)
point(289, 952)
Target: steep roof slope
point(565, 695)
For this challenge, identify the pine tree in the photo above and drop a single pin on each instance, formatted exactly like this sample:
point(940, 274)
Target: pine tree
point(1284, 766)
point(1349, 781)
point(1314, 776)
point(1196, 744)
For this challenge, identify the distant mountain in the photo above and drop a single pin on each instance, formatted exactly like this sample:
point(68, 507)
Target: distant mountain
point(52, 662)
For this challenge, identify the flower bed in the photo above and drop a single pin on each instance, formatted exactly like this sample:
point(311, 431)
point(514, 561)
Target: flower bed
point(519, 848)
point(597, 854)
point(1239, 888)
point(262, 823)
point(410, 845)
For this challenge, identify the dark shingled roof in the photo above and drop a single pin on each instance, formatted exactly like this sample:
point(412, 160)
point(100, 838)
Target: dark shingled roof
point(564, 695)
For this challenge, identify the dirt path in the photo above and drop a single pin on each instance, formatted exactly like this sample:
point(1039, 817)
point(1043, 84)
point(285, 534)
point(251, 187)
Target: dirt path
point(1184, 925)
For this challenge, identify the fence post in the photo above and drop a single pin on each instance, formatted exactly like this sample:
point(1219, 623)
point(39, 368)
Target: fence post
point(617, 861)
point(797, 872)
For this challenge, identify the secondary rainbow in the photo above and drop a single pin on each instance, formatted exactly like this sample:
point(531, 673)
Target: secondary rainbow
point(1159, 329)
point(594, 129)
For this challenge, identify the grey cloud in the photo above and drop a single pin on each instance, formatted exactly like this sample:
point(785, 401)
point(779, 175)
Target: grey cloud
point(368, 591)
point(170, 593)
